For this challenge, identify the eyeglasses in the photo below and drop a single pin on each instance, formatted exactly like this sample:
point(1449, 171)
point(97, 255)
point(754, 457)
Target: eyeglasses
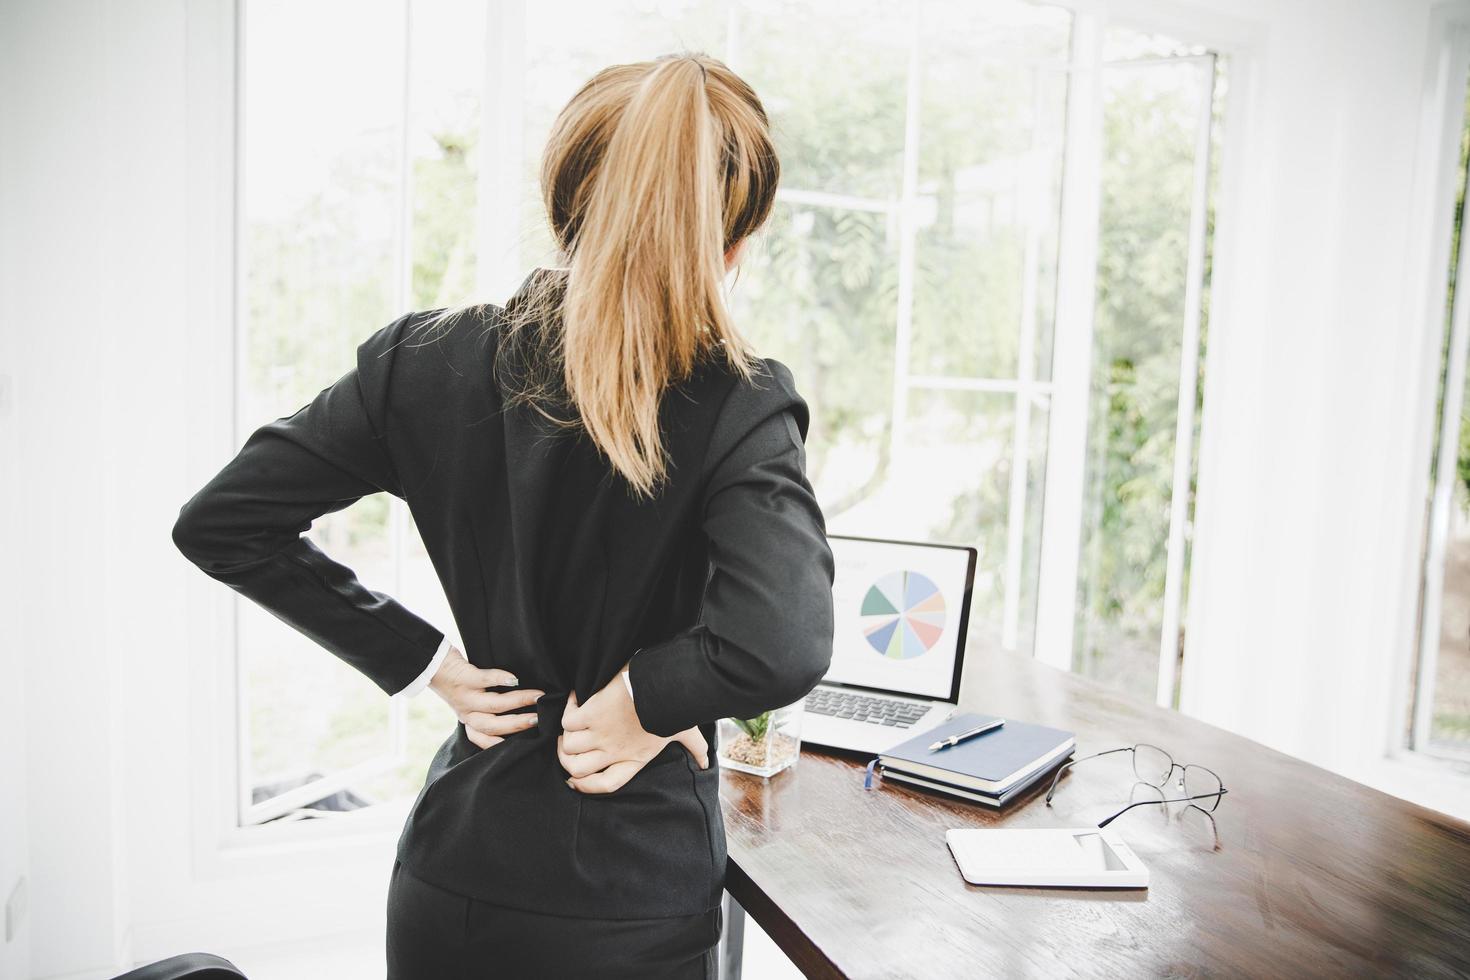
point(1154, 766)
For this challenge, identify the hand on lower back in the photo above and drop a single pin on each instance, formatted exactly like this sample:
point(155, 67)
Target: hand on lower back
point(462, 686)
point(603, 744)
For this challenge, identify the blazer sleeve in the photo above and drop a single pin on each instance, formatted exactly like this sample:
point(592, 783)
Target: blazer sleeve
point(244, 527)
point(765, 633)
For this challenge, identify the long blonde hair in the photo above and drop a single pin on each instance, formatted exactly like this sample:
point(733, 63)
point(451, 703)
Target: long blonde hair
point(651, 174)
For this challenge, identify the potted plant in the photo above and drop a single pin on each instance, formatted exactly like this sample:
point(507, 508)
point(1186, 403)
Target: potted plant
point(763, 745)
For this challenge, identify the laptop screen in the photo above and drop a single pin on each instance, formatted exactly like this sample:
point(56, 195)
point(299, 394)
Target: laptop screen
point(900, 610)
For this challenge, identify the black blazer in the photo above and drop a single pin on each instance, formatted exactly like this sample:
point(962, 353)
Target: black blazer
point(721, 585)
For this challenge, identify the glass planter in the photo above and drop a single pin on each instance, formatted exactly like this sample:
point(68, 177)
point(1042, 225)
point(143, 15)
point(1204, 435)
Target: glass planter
point(763, 745)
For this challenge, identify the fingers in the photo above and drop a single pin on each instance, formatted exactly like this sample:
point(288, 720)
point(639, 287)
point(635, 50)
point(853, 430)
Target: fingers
point(461, 674)
point(582, 740)
point(574, 715)
point(583, 763)
point(610, 779)
point(693, 740)
point(492, 724)
point(481, 739)
point(494, 677)
point(466, 699)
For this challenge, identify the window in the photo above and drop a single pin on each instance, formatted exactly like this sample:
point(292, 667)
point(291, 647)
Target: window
point(1440, 717)
point(356, 203)
point(910, 275)
point(1161, 112)
point(987, 269)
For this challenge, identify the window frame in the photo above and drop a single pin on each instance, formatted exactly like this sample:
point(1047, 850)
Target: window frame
point(501, 107)
point(1442, 125)
point(228, 841)
point(1066, 457)
point(248, 812)
point(1396, 766)
point(1066, 394)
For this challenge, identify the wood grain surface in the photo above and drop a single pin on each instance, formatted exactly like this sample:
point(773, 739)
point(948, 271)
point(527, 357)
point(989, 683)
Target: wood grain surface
point(1305, 874)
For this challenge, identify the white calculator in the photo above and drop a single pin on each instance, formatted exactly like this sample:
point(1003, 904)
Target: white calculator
point(1079, 857)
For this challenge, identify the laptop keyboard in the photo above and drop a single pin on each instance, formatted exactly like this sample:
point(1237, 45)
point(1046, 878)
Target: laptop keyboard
point(862, 707)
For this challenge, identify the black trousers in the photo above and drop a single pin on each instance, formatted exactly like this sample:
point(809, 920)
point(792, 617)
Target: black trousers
point(438, 934)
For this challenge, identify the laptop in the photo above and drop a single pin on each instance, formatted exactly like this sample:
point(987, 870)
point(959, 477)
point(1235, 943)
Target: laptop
point(901, 610)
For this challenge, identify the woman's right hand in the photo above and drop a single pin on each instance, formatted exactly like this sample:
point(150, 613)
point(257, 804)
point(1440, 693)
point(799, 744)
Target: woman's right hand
point(462, 686)
point(603, 744)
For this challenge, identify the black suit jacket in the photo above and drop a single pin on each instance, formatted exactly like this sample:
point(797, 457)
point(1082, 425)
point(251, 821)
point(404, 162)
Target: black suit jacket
point(721, 585)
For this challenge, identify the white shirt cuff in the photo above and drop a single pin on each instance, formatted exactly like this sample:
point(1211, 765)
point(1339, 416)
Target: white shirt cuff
point(422, 681)
point(628, 681)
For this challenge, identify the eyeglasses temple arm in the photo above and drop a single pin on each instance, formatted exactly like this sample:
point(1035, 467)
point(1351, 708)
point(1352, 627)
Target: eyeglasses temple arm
point(1072, 762)
point(1182, 799)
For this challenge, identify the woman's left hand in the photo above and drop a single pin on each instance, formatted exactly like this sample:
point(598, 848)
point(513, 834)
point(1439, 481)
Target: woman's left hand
point(602, 743)
point(487, 717)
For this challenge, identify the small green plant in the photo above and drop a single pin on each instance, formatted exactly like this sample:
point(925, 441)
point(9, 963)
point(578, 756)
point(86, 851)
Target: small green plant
point(755, 727)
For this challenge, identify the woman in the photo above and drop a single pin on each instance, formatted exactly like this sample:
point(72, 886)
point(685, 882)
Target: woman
point(611, 486)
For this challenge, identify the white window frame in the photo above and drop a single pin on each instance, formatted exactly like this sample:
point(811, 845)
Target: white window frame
point(1067, 394)
point(1433, 778)
point(1025, 388)
point(502, 109)
point(227, 839)
point(1066, 450)
point(249, 813)
point(1063, 508)
point(1455, 63)
point(1394, 766)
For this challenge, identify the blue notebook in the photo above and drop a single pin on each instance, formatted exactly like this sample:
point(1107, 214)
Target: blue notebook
point(991, 763)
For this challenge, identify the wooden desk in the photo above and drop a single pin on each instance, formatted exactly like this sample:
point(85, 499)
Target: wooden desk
point(1312, 874)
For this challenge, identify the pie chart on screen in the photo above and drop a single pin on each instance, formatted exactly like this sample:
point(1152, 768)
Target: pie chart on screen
point(903, 615)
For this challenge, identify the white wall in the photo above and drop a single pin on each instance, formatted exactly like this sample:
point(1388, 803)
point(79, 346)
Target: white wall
point(14, 799)
point(1295, 618)
point(65, 317)
point(94, 328)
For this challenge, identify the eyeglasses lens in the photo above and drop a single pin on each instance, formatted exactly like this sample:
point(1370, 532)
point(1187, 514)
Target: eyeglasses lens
point(1199, 781)
point(1152, 764)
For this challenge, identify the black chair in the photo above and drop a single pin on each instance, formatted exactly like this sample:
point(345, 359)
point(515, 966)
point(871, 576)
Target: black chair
point(186, 966)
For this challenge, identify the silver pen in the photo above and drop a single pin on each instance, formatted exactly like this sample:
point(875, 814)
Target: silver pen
point(989, 726)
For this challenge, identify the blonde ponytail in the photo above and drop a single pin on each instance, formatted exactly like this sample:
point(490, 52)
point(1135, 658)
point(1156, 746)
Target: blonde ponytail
point(652, 173)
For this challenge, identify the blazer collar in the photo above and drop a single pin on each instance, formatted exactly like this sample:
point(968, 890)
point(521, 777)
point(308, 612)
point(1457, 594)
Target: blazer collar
point(522, 291)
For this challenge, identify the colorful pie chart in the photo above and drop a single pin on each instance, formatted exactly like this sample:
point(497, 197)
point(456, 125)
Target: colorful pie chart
point(903, 615)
